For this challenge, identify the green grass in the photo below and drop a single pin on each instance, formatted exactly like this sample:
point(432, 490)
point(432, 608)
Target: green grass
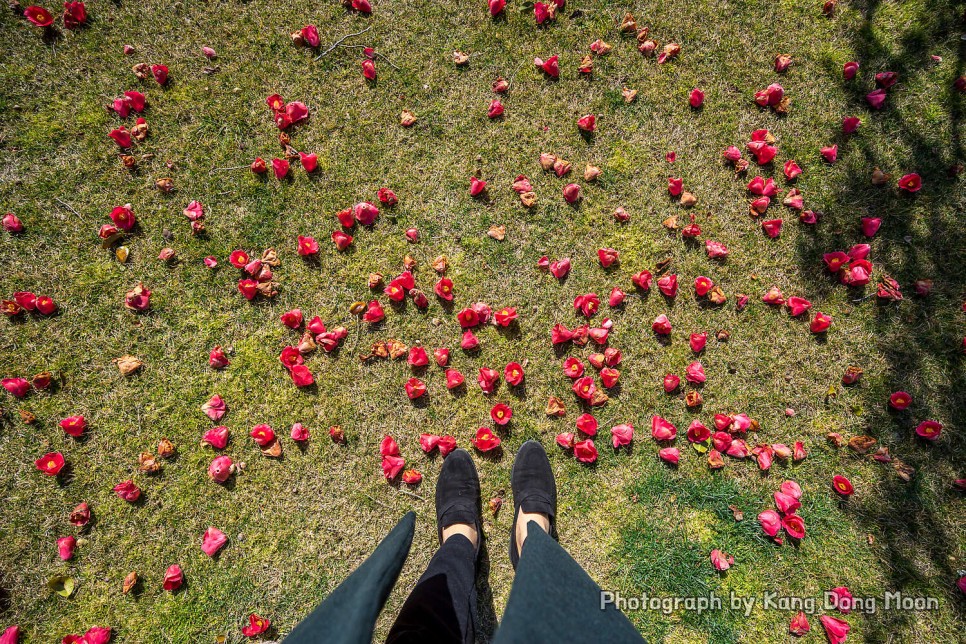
point(299, 525)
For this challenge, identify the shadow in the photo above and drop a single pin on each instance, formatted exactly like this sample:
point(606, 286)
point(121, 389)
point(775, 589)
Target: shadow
point(920, 336)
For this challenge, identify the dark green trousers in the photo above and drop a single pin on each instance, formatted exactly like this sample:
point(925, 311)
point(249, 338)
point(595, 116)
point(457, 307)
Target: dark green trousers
point(552, 599)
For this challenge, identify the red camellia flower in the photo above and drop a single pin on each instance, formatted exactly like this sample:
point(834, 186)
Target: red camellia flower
point(18, 387)
point(217, 437)
point(820, 323)
point(607, 256)
point(80, 516)
point(585, 451)
point(513, 374)
point(388, 446)
point(369, 69)
point(415, 388)
point(501, 414)
point(485, 440)
point(160, 73)
point(12, 223)
point(417, 357)
point(66, 547)
point(571, 192)
point(38, 16)
point(870, 226)
point(720, 560)
point(173, 578)
point(830, 153)
point(221, 468)
point(341, 240)
point(929, 429)
point(792, 170)
point(565, 440)
point(307, 246)
point(587, 123)
point(292, 319)
point(469, 342)
point(622, 434)
point(616, 297)
point(477, 186)
point(770, 522)
point(842, 485)
point(550, 67)
point(609, 377)
point(695, 373)
point(256, 626)
point(770, 96)
point(560, 268)
point(212, 541)
point(309, 161)
point(392, 466)
point(772, 227)
point(798, 305)
point(876, 99)
point(697, 341)
point(310, 34)
point(587, 424)
point(441, 356)
point(263, 435)
point(505, 316)
point(662, 429)
point(487, 379)
point(910, 182)
point(444, 289)
point(301, 376)
point(123, 217)
point(454, 379)
point(412, 477)
point(496, 7)
point(675, 186)
point(697, 432)
point(51, 463)
point(495, 110)
point(715, 249)
point(661, 325)
point(127, 491)
point(668, 285)
point(259, 166)
point(696, 98)
point(702, 285)
point(280, 167)
point(837, 630)
point(849, 70)
point(670, 455)
point(365, 213)
point(900, 400)
point(75, 15)
point(850, 124)
point(74, 425)
point(573, 367)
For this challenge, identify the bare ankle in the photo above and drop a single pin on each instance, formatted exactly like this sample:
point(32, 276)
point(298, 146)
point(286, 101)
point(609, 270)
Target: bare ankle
point(523, 521)
point(465, 529)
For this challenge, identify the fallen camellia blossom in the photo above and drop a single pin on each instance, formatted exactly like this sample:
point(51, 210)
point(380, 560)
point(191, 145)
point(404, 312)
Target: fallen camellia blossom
point(217, 358)
point(501, 414)
point(551, 66)
point(38, 16)
point(587, 123)
point(911, 182)
point(820, 323)
point(73, 426)
point(696, 98)
point(836, 630)
point(849, 70)
point(173, 578)
point(622, 434)
point(212, 541)
point(221, 468)
point(12, 223)
point(217, 437)
point(720, 560)
point(485, 440)
point(66, 547)
point(215, 407)
point(900, 400)
point(10, 635)
point(138, 298)
point(257, 625)
point(127, 491)
point(799, 626)
point(585, 451)
point(662, 429)
point(842, 485)
point(929, 429)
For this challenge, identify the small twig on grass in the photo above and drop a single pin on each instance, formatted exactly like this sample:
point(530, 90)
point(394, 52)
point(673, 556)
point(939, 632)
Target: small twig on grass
point(236, 167)
point(341, 40)
point(412, 494)
point(68, 206)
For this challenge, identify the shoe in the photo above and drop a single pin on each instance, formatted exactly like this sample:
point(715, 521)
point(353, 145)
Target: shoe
point(458, 494)
point(534, 490)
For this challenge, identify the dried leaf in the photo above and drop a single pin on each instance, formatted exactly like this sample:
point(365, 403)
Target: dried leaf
point(629, 94)
point(599, 398)
point(122, 253)
point(148, 464)
point(130, 581)
point(861, 444)
point(671, 223)
point(440, 264)
point(904, 471)
point(128, 364)
point(497, 232)
point(460, 58)
point(165, 448)
point(835, 439)
point(164, 184)
point(528, 199)
point(410, 263)
point(396, 349)
point(407, 118)
point(688, 199)
point(273, 449)
point(738, 514)
point(270, 257)
point(555, 407)
point(26, 416)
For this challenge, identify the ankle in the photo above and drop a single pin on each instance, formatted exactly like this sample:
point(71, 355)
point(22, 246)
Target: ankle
point(523, 522)
point(465, 529)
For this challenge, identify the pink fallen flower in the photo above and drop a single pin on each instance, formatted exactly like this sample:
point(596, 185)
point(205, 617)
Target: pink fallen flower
point(221, 469)
point(215, 407)
point(720, 560)
point(662, 429)
point(837, 630)
point(830, 153)
point(876, 99)
point(696, 98)
point(217, 437)
point(12, 223)
point(870, 226)
point(850, 124)
point(850, 69)
point(622, 434)
point(670, 455)
point(212, 541)
point(66, 547)
point(770, 522)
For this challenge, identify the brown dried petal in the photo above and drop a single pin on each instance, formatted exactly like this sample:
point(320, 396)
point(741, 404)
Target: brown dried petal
point(396, 349)
point(164, 184)
point(26, 416)
point(307, 344)
point(130, 581)
point(270, 257)
point(861, 444)
point(410, 263)
point(629, 94)
point(528, 199)
point(407, 118)
point(273, 449)
point(555, 407)
point(497, 232)
point(688, 199)
point(904, 471)
point(165, 448)
point(128, 364)
point(440, 264)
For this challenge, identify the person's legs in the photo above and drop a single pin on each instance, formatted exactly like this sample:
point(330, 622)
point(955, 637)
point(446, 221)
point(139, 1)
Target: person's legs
point(552, 599)
point(348, 615)
point(442, 606)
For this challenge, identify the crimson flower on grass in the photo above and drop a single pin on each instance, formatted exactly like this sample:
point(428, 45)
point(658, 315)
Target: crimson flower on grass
point(38, 16)
point(487, 379)
point(622, 434)
point(837, 630)
point(415, 388)
point(661, 325)
point(501, 414)
point(513, 374)
point(496, 7)
point(720, 560)
point(74, 425)
point(392, 466)
point(911, 182)
point(412, 477)
point(51, 463)
point(441, 356)
point(212, 541)
point(842, 485)
point(80, 516)
point(799, 626)
point(585, 451)
point(662, 429)
point(696, 98)
point(12, 223)
point(18, 387)
point(127, 491)
point(551, 66)
point(820, 322)
point(256, 625)
point(310, 161)
point(900, 400)
point(477, 186)
point(454, 379)
point(929, 429)
point(876, 99)
point(217, 437)
point(221, 468)
point(485, 440)
point(849, 70)
point(830, 153)
point(697, 432)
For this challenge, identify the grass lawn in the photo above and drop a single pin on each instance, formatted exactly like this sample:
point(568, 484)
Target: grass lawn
point(299, 524)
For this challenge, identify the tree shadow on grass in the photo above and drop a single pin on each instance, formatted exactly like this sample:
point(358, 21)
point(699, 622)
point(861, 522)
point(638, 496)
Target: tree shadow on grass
point(919, 338)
